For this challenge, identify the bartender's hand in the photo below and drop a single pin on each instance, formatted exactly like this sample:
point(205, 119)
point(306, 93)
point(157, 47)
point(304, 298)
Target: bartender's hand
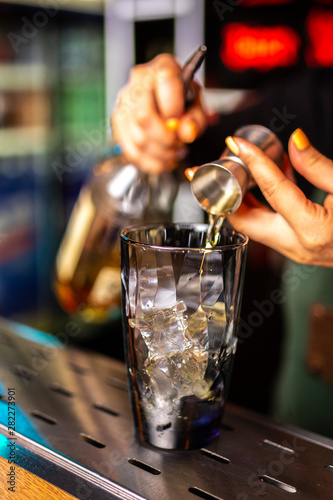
point(295, 227)
point(149, 120)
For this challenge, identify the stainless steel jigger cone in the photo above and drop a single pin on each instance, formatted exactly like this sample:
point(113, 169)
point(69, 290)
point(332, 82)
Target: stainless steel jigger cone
point(219, 186)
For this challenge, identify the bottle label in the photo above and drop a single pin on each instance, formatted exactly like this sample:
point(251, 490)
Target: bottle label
point(76, 234)
point(107, 287)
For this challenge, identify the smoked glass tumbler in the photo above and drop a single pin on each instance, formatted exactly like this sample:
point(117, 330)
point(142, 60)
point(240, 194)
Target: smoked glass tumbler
point(181, 308)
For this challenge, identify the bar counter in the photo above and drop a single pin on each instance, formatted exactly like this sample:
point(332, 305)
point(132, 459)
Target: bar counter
point(70, 435)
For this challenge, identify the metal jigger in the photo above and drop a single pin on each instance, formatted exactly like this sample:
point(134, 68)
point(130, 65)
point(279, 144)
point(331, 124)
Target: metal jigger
point(219, 186)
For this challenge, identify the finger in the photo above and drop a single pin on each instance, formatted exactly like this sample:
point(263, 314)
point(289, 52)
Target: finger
point(260, 224)
point(143, 123)
point(139, 92)
point(192, 125)
point(168, 86)
point(146, 115)
point(147, 162)
point(189, 172)
point(195, 120)
point(138, 148)
point(145, 141)
point(328, 203)
point(144, 108)
point(133, 108)
point(281, 193)
point(314, 166)
point(287, 169)
point(269, 228)
point(148, 89)
point(164, 150)
point(250, 201)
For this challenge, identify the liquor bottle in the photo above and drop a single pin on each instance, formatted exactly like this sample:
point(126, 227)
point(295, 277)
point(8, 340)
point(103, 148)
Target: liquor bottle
point(118, 194)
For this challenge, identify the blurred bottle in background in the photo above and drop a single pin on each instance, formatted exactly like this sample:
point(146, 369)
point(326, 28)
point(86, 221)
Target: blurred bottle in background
point(117, 195)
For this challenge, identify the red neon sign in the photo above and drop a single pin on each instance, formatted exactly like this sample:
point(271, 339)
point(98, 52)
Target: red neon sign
point(256, 47)
point(319, 51)
point(260, 3)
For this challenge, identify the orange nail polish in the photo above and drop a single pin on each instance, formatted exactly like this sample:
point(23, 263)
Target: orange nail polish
point(300, 140)
point(172, 123)
point(190, 131)
point(189, 172)
point(232, 145)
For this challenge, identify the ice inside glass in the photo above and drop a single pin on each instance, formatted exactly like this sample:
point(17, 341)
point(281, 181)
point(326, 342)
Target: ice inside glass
point(181, 306)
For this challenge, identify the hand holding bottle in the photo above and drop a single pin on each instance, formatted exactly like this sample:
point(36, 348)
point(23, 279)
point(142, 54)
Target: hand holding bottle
point(294, 226)
point(150, 119)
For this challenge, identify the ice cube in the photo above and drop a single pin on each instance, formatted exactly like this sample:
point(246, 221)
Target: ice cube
point(198, 329)
point(146, 289)
point(173, 376)
point(160, 383)
point(201, 388)
point(166, 288)
point(164, 330)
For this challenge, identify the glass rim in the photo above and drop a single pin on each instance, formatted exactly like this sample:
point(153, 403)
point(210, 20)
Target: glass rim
point(185, 225)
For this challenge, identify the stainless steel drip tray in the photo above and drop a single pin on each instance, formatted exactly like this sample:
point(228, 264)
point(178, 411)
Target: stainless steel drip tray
point(73, 427)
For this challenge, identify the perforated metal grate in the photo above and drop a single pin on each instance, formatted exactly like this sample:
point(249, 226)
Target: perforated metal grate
point(73, 427)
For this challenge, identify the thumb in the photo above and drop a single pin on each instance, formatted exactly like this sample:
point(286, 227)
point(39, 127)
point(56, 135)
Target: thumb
point(314, 166)
point(264, 171)
point(280, 192)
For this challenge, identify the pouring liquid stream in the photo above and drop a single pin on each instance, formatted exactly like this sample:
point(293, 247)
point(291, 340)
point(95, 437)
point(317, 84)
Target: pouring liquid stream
point(215, 224)
point(213, 231)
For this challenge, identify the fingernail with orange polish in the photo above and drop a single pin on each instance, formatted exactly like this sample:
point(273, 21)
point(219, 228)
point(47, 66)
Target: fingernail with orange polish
point(300, 140)
point(189, 172)
point(172, 123)
point(232, 145)
point(190, 131)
